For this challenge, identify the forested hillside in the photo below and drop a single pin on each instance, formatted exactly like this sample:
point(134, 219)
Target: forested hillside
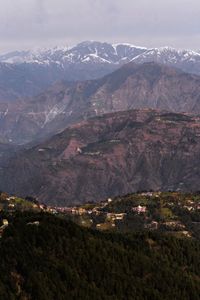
point(44, 257)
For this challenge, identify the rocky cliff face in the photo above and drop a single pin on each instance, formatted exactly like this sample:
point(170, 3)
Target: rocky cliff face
point(131, 87)
point(110, 155)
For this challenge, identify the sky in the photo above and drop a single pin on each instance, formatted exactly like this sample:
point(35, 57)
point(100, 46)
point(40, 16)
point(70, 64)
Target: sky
point(30, 24)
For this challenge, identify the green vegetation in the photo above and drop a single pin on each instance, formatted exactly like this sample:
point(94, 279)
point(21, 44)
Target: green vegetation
point(13, 203)
point(173, 213)
point(56, 259)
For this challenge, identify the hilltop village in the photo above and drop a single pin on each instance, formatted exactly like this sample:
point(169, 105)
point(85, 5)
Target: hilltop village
point(171, 212)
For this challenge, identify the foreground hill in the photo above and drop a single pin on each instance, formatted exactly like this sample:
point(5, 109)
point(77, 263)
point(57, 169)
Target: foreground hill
point(110, 155)
point(131, 87)
point(172, 213)
point(43, 257)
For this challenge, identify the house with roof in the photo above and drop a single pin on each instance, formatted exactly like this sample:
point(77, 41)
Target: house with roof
point(139, 209)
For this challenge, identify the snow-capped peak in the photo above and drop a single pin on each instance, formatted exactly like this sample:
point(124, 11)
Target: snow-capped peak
point(94, 52)
point(88, 51)
point(167, 55)
point(128, 45)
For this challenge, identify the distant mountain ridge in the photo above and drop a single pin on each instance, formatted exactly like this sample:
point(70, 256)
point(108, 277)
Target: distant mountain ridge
point(133, 86)
point(187, 60)
point(85, 52)
point(101, 52)
point(27, 73)
point(94, 52)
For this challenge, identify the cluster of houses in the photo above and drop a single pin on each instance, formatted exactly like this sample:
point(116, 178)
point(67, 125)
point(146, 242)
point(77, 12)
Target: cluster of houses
point(140, 209)
point(101, 215)
point(95, 211)
point(3, 226)
point(191, 205)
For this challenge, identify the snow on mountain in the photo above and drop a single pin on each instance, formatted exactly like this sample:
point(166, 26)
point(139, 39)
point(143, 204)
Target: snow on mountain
point(27, 73)
point(44, 56)
point(99, 53)
point(85, 52)
point(167, 55)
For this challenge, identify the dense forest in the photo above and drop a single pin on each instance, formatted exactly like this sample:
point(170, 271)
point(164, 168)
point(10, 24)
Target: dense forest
point(44, 257)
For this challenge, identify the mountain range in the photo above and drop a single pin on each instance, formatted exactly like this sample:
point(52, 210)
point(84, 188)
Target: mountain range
point(85, 52)
point(135, 128)
point(133, 86)
point(93, 52)
point(28, 73)
point(110, 155)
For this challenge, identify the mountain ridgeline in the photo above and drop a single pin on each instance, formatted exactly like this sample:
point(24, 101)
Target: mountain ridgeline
point(27, 73)
point(110, 155)
point(105, 136)
point(135, 129)
point(133, 86)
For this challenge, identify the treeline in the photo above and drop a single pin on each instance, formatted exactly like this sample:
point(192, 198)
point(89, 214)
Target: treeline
point(60, 260)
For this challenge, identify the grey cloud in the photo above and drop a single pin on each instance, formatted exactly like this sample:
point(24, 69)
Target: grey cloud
point(25, 23)
point(40, 11)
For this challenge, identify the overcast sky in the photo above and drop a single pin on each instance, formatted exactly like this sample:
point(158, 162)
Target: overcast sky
point(151, 23)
